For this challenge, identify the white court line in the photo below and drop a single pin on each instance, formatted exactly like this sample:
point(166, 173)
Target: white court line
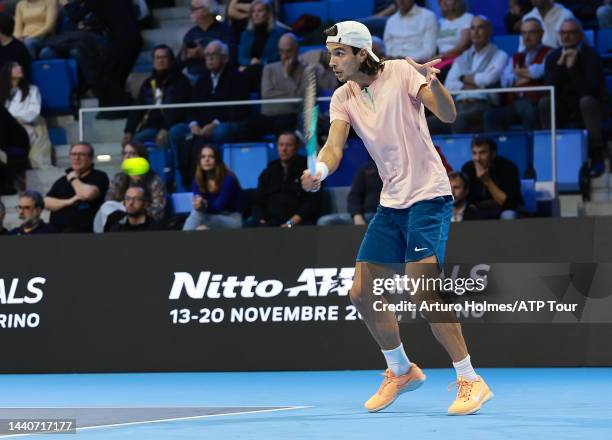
point(114, 425)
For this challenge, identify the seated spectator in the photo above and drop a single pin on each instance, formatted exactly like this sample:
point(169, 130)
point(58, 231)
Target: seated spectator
point(166, 85)
point(478, 67)
point(411, 32)
point(319, 58)
point(460, 186)
point(23, 101)
point(31, 206)
point(383, 9)
point(280, 199)
point(212, 124)
point(216, 195)
point(206, 29)
point(136, 217)
point(552, 15)
point(11, 49)
point(35, 20)
point(14, 148)
point(259, 42)
point(524, 69)
point(75, 198)
point(151, 182)
point(575, 69)
point(362, 201)
point(514, 16)
point(454, 32)
point(3, 230)
point(604, 15)
point(494, 183)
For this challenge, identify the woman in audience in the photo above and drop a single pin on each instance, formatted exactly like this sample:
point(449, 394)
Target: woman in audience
point(454, 33)
point(34, 21)
point(238, 13)
point(259, 42)
point(23, 102)
point(216, 195)
point(150, 181)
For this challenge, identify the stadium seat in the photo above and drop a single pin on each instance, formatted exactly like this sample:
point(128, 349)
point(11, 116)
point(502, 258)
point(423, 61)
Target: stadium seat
point(340, 10)
point(293, 11)
point(181, 202)
point(507, 43)
point(528, 192)
point(572, 153)
point(159, 161)
point(56, 80)
point(604, 40)
point(354, 156)
point(247, 161)
point(589, 36)
point(493, 10)
point(457, 148)
point(517, 148)
point(57, 135)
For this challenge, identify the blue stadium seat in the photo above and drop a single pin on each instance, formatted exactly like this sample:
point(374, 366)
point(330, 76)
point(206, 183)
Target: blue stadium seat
point(57, 135)
point(517, 148)
point(181, 202)
point(493, 10)
point(507, 43)
point(457, 148)
point(340, 10)
point(528, 192)
point(56, 80)
point(159, 161)
point(604, 40)
point(247, 161)
point(292, 11)
point(572, 153)
point(353, 157)
point(589, 37)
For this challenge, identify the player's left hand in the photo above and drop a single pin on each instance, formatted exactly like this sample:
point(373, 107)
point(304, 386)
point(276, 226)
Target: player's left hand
point(427, 70)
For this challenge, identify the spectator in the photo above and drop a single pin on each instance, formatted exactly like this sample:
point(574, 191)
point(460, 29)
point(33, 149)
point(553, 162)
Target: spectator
point(216, 195)
point(383, 9)
point(14, 148)
point(31, 206)
point(259, 42)
point(604, 15)
point(494, 184)
point(34, 21)
point(552, 15)
point(206, 29)
point(454, 32)
point(75, 198)
point(23, 101)
point(362, 201)
point(411, 32)
point(3, 230)
point(280, 199)
point(11, 49)
point(514, 16)
point(166, 85)
point(378, 47)
point(136, 213)
point(460, 186)
point(575, 70)
point(151, 182)
point(215, 124)
point(524, 69)
point(239, 11)
point(478, 67)
point(319, 58)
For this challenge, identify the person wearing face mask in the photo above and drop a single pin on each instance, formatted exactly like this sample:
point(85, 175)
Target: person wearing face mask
point(30, 207)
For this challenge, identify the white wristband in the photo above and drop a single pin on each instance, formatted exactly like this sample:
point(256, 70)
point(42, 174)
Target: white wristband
point(320, 167)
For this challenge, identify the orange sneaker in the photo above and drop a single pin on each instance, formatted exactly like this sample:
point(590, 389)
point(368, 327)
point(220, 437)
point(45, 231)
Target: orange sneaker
point(471, 395)
point(393, 386)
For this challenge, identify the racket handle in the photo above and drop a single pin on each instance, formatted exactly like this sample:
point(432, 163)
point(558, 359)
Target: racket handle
point(312, 164)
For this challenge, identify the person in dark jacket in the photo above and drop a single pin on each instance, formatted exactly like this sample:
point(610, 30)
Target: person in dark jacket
point(166, 85)
point(30, 207)
point(280, 199)
point(11, 49)
point(136, 218)
point(15, 146)
point(575, 70)
point(495, 186)
point(460, 186)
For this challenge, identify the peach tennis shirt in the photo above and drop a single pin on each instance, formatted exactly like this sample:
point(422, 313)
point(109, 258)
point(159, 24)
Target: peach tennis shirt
point(390, 120)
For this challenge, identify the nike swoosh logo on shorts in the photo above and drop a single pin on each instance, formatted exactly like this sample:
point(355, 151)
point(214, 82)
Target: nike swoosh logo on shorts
point(416, 249)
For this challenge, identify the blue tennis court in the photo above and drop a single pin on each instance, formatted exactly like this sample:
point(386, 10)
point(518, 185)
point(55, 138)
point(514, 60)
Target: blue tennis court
point(547, 403)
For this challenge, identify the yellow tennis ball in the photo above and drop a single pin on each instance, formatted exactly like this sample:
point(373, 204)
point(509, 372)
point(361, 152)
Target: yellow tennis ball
point(135, 166)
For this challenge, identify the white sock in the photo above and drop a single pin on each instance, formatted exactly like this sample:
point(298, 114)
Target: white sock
point(464, 369)
point(397, 361)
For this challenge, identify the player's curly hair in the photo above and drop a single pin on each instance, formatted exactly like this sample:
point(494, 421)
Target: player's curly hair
point(369, 66)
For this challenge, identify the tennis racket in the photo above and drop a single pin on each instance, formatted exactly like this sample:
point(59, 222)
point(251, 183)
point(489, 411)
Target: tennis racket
point(310, 117)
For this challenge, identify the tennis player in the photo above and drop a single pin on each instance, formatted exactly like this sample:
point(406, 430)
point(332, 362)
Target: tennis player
point(383, 102)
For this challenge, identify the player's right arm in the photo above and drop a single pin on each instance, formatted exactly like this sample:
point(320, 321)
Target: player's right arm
point(330, 155)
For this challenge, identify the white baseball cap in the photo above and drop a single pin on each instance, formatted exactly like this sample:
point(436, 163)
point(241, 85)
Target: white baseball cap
point(355, 34)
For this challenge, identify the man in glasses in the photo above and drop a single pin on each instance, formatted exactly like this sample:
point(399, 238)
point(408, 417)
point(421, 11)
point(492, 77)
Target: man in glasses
point(30, 207)
point(136, 218)
point(75, 198)
point(551, 15)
